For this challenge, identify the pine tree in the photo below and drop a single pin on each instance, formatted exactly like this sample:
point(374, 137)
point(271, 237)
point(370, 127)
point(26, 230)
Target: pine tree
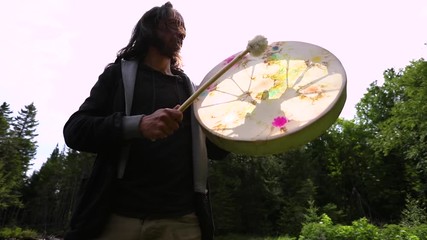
point(17, 148)
point(8, 155)
point(24, 132)
point(5, 121)
point(52, 191)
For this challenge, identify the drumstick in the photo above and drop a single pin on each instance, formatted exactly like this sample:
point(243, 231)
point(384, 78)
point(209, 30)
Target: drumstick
point(255, 47)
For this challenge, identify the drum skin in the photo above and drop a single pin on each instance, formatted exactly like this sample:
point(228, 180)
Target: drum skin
point(272, 103)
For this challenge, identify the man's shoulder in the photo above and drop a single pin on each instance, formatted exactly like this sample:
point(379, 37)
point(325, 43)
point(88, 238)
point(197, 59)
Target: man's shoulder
point(111, 74)
point(180, 73)
point(112, 67)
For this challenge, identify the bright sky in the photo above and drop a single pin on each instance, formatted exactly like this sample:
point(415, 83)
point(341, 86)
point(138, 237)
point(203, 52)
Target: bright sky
point(52, 51)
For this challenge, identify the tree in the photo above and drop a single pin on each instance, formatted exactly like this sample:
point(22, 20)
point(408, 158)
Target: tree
point(5, 121)
point(9, 182)
point(17, 148)
point(377, 103)
point(51, 192)
point(246, 193)
point(394, 115)
point(24, 128)
point(406, 129)
point(414, 213)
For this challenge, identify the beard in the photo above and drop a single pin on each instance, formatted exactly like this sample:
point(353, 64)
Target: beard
point(168, 49)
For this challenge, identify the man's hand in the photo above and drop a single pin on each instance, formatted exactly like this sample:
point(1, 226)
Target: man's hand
point(160, 124)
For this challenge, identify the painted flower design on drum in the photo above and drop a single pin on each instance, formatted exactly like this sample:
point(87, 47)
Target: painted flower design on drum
point(242, 62)
point(209, 89)
point(280, 122)
point(313, 93)
point(229, 59)
point(212, 87)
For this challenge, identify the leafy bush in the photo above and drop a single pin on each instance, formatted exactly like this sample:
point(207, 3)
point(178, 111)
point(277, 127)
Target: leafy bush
point(396, 232)
point(17, 233)
point(325, 230)
point(245, 237)
point(361, 230)
point(358, 230)
point(420, 231)
point(315, 231)
point(342, 232)
point(414, 213)
point(318, 231)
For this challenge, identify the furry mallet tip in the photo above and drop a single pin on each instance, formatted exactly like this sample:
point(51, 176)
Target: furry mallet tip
point(257, 46)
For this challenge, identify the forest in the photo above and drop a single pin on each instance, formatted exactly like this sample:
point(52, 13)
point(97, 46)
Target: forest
point(364, 178)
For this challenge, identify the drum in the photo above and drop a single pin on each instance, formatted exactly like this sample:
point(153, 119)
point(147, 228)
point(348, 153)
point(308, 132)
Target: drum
point(274, 102)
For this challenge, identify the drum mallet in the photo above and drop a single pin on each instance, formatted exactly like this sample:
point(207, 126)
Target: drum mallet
point(255, 47)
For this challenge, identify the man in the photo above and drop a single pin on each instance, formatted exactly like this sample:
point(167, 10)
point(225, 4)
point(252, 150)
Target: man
point(150, 193)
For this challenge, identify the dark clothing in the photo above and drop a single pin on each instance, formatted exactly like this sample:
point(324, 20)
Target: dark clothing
point(158, 180)
point(98, 127)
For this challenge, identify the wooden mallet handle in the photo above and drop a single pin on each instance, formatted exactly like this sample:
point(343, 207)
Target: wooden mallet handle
point(203, 87)
point(255, 47)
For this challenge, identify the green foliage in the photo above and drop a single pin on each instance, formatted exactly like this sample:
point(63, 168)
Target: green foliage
point(23, 133)
point(315, 231)
point(5, 121)
point(17, 233)
point(342, 232)
point(361, 229)
point(246, 193)
point(298, 187)
point(9, 182)
point(311, 215)
point(396, 232)
point(406, 126)
point(7, 196)
point(358, 169)
point(17, 148)
point(246, 237)
point(51, 194)
point(350, 170)
point(401, 132)
point(393, 116)
point(45, 199)
point(420, 231)
point(414, 213)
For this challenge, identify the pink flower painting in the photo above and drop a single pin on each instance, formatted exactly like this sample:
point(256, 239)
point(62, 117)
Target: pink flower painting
point(228, 60)
point(280, 122)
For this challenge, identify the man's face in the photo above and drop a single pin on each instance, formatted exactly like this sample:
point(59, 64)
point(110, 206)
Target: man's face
point(169, 37)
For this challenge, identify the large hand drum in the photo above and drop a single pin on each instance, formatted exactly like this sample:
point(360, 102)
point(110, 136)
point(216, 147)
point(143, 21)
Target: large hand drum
point(269, 104)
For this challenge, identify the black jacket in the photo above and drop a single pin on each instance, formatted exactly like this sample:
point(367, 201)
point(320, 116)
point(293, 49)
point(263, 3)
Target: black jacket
point(97, 127)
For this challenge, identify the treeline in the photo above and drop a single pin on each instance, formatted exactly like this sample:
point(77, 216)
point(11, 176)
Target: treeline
point(44, 200)
point(17, 149)
point(373, 166)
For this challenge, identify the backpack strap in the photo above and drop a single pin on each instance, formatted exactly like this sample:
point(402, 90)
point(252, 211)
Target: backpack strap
point(129, 69)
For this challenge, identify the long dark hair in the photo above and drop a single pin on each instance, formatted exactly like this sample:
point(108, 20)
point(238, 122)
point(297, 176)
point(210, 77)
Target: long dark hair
point(144, 33)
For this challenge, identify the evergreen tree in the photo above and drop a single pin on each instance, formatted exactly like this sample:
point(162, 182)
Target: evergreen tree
point(9, 178)
point(43, 192)
point(24, 133)
point(5, 121)
point(17, 148)
point(51, 192)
